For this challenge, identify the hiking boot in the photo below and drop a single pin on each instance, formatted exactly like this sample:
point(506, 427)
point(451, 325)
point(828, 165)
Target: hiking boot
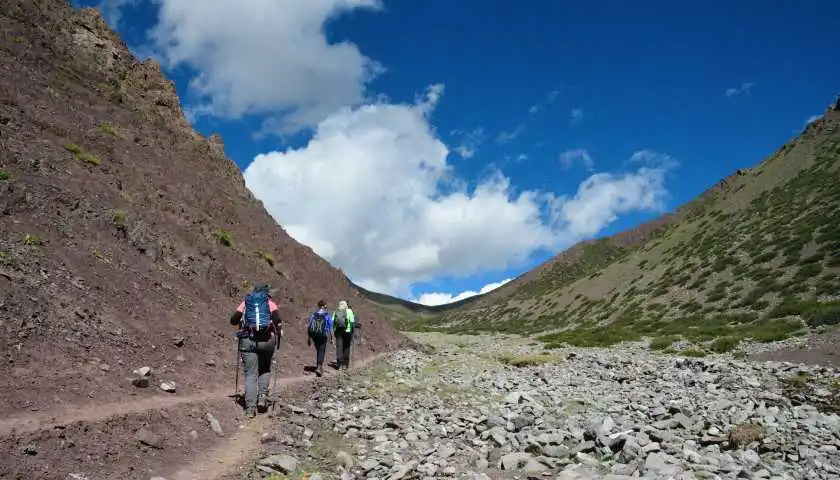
point(319, 371)
point(250, 412)
point(261, 400)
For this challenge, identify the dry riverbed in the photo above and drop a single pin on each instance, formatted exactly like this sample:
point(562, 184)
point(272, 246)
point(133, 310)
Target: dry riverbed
point(478, 407)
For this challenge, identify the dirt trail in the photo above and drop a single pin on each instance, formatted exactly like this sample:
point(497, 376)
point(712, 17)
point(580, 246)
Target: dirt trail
point(243, 446)
point(63, 415)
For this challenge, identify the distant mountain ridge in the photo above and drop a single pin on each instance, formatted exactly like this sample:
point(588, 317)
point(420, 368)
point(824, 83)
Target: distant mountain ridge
point(665, 267)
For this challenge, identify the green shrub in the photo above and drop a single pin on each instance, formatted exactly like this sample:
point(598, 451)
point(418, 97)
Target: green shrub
point(724, 344)
point(118, 218)
point(267, 257)
point(529, 360)
point(788, 307)
point(223, 237)
point(83, 155)
point(822, 314)
point(663, 342)
point(108, 128)
point(32, 239)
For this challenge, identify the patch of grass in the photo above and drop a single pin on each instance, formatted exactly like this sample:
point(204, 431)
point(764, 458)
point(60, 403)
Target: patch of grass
point(663, 342)
point(774, 331)
point(746, 433)
point(724, 344)
point(99, 255)
point(109, 129)
point(327, 443)
point(819, 314)
point(223, 237)
point(590, 337)
point(529, 360)
point(764, 258)
point(266, 257)
point(807, 271)
point(4, 175)
point(692, 352)
point(118, 218)
point(593, 257)
point(83, 155)
point(32, 239)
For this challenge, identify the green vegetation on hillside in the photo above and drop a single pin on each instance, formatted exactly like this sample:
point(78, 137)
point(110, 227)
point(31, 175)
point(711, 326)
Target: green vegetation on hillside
point(82, 154)
point(593, 257)
point(757, 258)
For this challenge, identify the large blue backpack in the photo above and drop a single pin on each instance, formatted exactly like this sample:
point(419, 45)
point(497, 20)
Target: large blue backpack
point(257, 314)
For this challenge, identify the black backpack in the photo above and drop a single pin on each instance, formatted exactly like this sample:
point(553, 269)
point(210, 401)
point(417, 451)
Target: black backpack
point(318, 325)
point(340, 320)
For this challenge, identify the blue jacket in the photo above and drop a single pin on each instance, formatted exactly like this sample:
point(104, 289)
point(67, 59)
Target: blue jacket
point(329, 320)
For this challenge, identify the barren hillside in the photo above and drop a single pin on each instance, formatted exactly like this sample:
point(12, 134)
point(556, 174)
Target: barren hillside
point(757, 257)
point(127, 240)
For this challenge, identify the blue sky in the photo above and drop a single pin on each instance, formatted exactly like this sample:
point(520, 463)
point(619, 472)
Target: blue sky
point(422, 204)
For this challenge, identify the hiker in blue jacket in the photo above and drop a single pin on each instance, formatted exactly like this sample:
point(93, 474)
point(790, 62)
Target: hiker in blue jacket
point(260, 328)
point(318, 328)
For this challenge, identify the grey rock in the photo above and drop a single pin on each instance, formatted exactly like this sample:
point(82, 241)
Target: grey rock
point(403, 471)
point(281, 462)
point(555, 451)
point(344, 459)
point(514, 461)
point(148, 438)
point(168, 387)
point(214, 424)
point(623, 410)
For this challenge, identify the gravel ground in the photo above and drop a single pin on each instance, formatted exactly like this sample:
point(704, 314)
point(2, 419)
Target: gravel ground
point(498, 407)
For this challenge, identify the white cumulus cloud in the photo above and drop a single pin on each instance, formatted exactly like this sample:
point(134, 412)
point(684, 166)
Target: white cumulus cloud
point(742, 89)
point(112, 10)
point(373, 192)
point(437, 298)
point(569, 157)
point(264, 57)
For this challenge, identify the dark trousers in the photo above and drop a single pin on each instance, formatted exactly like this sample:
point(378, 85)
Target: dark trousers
point(320, 351)
point(343, 342)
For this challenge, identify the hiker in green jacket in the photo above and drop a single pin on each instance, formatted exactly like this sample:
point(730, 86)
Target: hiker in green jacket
point(343, 320)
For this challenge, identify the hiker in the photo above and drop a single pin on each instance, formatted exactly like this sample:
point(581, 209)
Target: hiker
point(318, 331)
point(343, 322)
point(260, 328)
point(355, 334)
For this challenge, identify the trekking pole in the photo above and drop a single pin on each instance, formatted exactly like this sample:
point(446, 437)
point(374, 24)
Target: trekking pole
point(236, 352)
point(274, 375)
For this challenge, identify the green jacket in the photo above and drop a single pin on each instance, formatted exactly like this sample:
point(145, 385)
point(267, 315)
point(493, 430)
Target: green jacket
point(351, 320)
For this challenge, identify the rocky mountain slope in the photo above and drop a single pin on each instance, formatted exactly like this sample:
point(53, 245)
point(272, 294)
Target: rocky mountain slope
point(756, 256)
point(127, 241)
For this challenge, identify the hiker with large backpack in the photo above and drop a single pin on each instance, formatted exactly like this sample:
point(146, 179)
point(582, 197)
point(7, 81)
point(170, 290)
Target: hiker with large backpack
point(343, 321)
point(260, 328)
point(318, 332)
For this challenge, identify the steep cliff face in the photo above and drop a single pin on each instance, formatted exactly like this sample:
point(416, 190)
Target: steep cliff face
point(127, 237)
